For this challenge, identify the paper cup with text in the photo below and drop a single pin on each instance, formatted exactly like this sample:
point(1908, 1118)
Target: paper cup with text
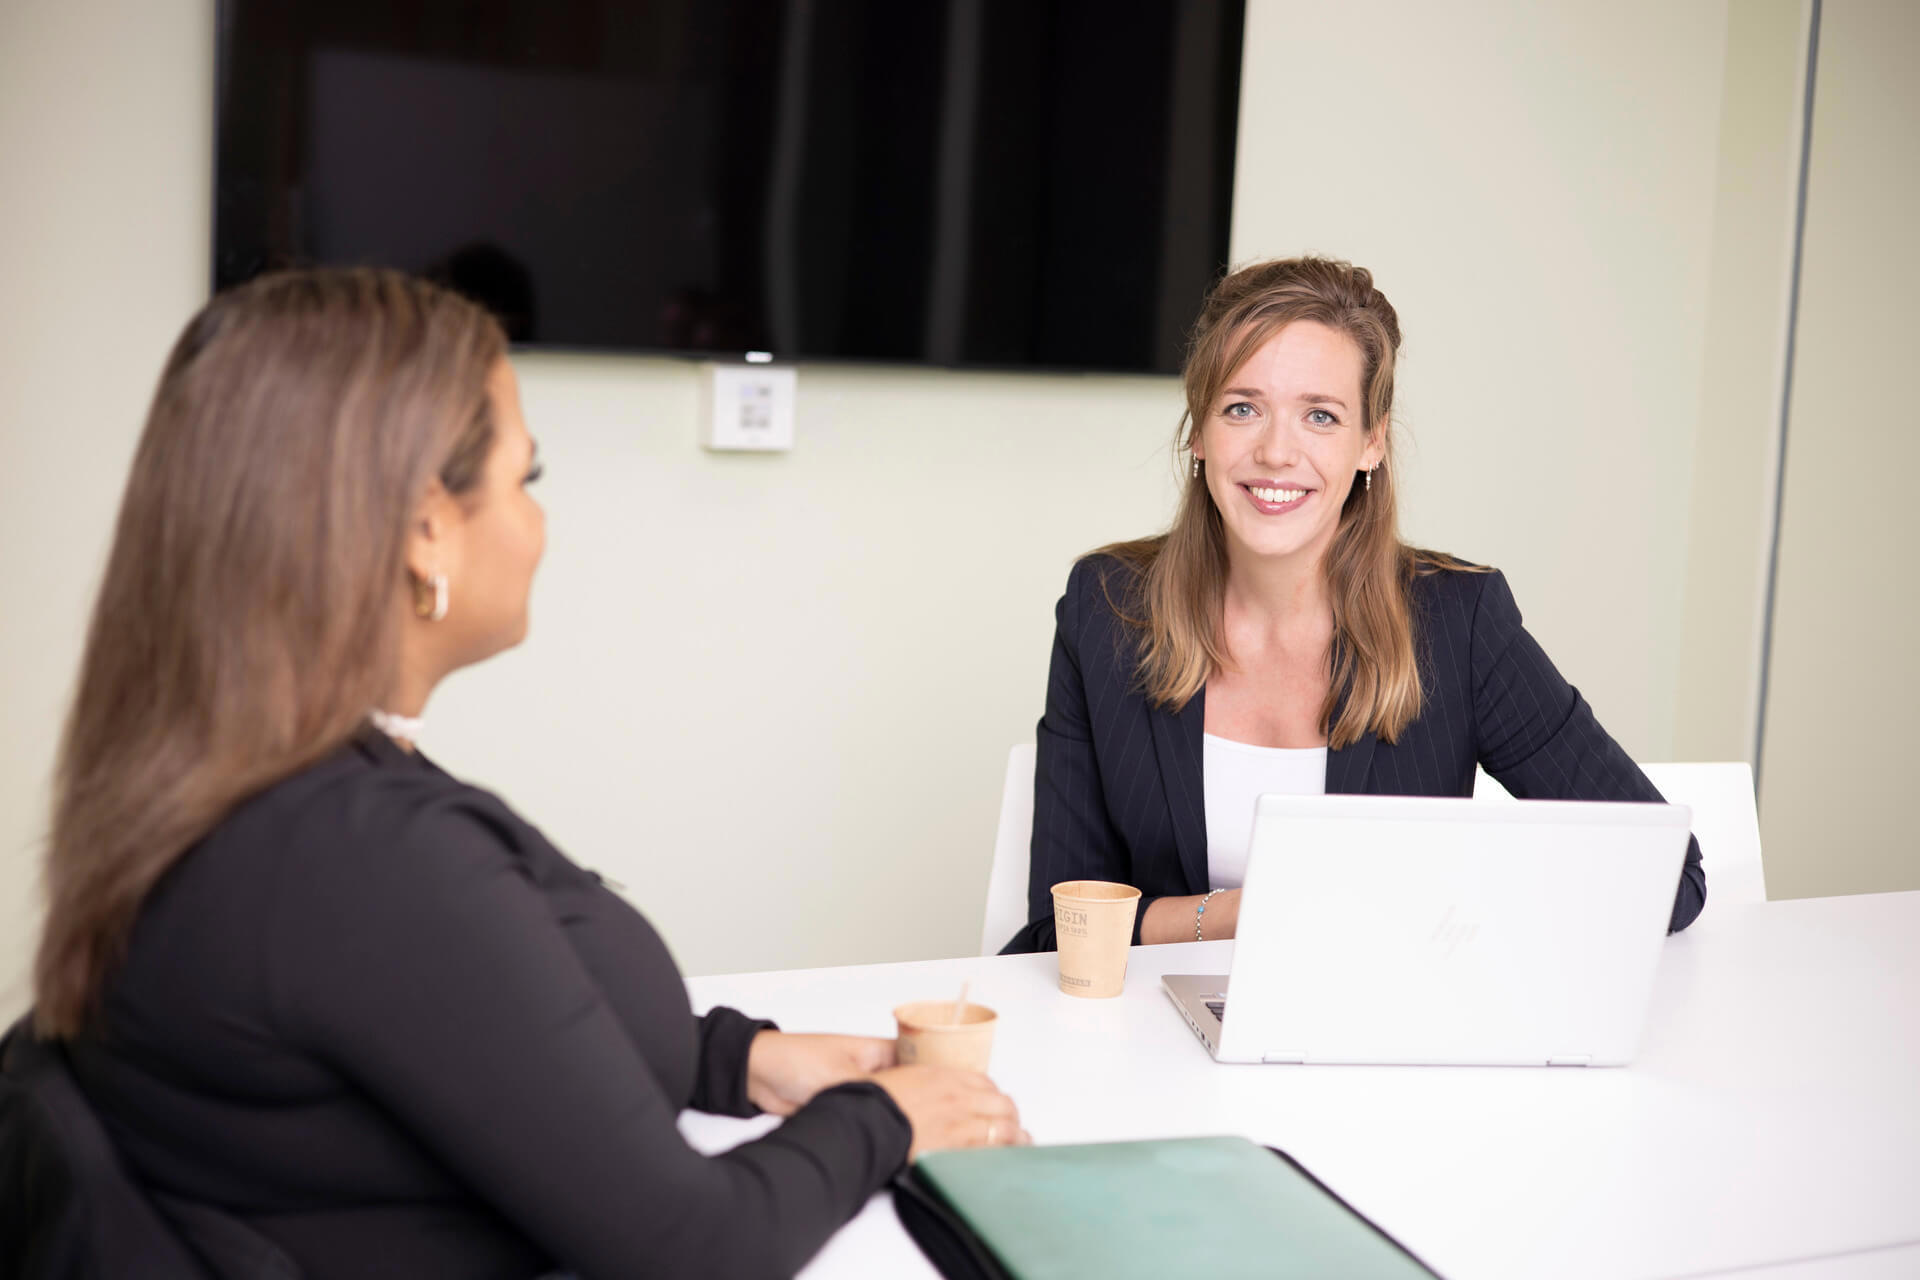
point(929, 1034)
point(1093, 923)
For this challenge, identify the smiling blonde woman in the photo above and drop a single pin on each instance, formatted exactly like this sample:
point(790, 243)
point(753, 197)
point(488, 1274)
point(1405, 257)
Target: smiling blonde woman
point(1280, 637)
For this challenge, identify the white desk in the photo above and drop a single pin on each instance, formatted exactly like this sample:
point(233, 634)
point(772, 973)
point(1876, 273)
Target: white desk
point(1772, 1116)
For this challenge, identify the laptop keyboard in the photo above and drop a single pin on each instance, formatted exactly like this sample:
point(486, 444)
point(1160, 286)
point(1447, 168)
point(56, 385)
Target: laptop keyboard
point(1218, 1008)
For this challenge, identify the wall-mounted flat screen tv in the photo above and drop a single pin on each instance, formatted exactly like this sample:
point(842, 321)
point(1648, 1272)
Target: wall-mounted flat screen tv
point(966, 183)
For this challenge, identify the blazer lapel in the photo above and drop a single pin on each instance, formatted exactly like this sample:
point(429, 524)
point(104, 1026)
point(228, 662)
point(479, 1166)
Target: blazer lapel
point(1176, 744)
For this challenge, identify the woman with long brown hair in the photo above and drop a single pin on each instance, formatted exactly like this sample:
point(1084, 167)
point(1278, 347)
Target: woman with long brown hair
point(1280, 637)
point(338, 1011)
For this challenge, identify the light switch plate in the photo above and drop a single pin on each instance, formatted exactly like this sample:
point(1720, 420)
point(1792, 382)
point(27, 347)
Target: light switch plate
point(748, 406)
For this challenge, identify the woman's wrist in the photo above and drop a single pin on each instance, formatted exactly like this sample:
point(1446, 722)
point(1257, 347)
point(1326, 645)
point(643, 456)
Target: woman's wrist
point(1173, 919)
point(1200, 915)
point(1223, 917)
point(760, 1050)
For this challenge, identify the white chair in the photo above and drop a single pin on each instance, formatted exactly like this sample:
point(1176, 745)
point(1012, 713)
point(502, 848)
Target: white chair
point(1007, 882)
point(1724, 819)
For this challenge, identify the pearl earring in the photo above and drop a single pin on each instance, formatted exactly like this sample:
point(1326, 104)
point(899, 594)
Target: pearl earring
point(1196, 466)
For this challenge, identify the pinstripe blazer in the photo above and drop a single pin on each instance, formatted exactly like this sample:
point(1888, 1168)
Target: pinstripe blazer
point(1118, 793)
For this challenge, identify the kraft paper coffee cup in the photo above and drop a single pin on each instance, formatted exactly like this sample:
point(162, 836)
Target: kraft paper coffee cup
point(1093, 923)
point(929, 1034)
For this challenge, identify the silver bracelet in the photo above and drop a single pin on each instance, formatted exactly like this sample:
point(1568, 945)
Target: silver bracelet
point(1201, 910)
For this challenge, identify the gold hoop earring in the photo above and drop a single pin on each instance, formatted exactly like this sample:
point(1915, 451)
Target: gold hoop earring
point(434, 606)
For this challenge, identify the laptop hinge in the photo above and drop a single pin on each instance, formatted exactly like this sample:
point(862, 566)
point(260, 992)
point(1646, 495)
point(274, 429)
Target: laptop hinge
point(1301, 1056)
point(1571, 1060)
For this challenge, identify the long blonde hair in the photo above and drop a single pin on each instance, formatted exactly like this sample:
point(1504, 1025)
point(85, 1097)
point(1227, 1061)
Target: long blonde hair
point(251, 609)
point(1175, 594)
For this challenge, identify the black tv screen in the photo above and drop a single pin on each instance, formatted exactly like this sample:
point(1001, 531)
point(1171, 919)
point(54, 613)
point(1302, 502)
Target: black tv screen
point(968, 183)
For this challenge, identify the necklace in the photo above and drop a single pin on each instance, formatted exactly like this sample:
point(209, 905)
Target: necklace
point(404, 728)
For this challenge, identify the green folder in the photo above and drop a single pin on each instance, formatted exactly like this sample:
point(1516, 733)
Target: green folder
point(1213, 1208)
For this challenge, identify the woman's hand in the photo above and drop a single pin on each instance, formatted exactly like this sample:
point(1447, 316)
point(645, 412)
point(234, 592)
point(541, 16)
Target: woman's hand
point(785, 1071)
point(949, 1107)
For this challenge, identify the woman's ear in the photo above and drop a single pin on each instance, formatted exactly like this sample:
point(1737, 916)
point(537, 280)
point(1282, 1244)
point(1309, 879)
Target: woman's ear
point(428, 533)
point(1376, 451)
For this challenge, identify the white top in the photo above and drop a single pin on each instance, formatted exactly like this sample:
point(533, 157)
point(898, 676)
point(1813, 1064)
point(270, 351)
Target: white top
point(1234, 776)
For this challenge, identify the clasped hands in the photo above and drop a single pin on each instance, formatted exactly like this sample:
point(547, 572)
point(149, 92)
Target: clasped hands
point(946, 1106)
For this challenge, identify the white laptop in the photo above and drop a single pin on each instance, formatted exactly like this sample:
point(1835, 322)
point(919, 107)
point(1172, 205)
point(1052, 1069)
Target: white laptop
point(1392, 929)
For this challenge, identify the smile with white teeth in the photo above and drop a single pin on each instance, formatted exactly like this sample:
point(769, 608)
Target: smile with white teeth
point(1276, 495)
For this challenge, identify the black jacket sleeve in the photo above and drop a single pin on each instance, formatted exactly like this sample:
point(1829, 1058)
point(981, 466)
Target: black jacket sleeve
point(1539, 738)
point(720, 1084)
point(437, 979)
point(1073, 835)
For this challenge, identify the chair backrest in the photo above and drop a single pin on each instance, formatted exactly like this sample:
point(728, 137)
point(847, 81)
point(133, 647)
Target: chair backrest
point(1724, 819)
point(1007, 882)
point(72, 1210)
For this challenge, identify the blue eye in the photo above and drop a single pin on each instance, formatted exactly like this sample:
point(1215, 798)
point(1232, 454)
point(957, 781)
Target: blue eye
point(1233, 411)
point(1321, 418)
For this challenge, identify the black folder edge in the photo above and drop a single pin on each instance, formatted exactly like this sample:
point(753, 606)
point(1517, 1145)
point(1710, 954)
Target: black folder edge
point(958, 1254)
point(947, 1241)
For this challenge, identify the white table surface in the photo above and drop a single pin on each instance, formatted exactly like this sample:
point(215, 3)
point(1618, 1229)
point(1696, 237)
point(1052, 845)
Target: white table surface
point(1772, 1117)
point(1900, 1262)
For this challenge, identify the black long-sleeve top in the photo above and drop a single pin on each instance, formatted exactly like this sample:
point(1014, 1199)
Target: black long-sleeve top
point(1118, 787)
point(377, 1018)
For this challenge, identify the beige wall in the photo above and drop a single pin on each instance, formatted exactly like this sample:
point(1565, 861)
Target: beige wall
point(1736, 448)
point(104, 160)
point(1842, 699)
point(773, 695)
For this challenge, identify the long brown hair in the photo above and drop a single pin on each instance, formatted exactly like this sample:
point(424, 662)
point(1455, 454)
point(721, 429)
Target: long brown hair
point(254, 595)
point(1176, 591)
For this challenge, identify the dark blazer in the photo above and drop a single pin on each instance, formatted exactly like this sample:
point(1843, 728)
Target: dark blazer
point(1117, 787)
